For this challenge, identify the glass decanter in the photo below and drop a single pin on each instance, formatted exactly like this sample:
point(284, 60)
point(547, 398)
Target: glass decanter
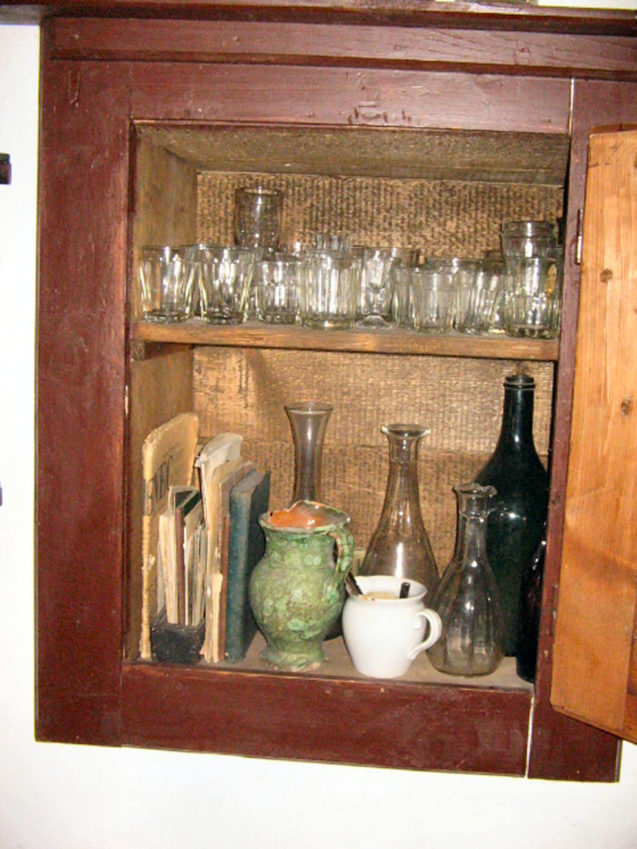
point(308, 421)
point(400, 545)
point(467, 599)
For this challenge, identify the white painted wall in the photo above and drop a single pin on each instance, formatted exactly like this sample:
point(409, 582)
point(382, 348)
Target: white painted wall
point(73, 797)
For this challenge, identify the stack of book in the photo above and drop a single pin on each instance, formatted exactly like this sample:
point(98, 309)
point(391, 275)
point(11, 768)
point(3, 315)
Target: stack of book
point(201, 539)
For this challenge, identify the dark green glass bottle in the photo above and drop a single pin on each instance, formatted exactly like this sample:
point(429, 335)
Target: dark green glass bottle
point(518, 514)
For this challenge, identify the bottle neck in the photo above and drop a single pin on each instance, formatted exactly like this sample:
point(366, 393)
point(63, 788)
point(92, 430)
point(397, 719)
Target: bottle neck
point(402, 482)
point(470, 539)
point(516, 433)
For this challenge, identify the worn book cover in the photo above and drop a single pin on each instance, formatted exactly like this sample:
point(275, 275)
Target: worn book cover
point(221, 558)
point(168, 454)
point(246, 546)
point(221, 450)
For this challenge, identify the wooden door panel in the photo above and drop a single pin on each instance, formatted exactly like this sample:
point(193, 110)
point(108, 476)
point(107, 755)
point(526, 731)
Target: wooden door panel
point(594, 657)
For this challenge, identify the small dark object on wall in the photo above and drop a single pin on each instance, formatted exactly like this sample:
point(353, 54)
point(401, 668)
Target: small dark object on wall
point(5, 168)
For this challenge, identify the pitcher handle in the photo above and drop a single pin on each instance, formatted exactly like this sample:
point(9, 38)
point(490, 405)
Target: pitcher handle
point(344, 551)
point(435, 630)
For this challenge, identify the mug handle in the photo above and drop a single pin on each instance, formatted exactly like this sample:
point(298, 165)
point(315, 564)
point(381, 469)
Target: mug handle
point(435, 630)
point(344, 551)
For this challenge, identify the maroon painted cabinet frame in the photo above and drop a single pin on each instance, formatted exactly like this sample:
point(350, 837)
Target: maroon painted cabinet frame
point(98, 77)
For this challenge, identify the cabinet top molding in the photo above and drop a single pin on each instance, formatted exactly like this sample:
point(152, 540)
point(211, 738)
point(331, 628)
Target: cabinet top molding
point(420, 13)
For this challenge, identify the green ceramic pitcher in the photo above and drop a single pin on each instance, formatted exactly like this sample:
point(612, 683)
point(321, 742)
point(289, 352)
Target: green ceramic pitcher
point(297, 589)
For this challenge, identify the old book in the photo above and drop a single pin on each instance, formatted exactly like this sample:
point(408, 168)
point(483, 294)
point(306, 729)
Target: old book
point(246, 546)
point(223, 449)
point(221, 557)
point(181, 556)
point(168, 454)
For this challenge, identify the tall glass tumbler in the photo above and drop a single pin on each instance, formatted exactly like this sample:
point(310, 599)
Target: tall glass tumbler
point(167, 277)
point(330, 287)
point(257, 217)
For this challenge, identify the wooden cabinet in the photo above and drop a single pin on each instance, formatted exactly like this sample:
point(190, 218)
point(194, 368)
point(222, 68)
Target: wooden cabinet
point(435, 126)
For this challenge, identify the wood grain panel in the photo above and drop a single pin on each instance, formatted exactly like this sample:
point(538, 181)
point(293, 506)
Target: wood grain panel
point(323, 719)
point(261, 41)
point(598, 586)
point(349, 97)
point(81, 388)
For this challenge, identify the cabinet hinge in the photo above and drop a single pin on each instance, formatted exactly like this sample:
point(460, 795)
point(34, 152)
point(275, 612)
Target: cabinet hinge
point(126, 397)
point(579, 236)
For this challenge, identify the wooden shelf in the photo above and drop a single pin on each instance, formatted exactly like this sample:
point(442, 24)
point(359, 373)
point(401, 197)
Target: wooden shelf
point(390, 341)
point(424, 720)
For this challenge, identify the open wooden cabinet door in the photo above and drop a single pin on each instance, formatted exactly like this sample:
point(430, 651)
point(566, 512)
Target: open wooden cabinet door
point(595, 653)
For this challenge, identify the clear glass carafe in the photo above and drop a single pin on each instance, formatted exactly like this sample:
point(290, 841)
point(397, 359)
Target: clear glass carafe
point(308, 421)
point(400, 545)
point(467, 599)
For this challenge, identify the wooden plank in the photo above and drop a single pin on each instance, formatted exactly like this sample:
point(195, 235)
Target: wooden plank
point(465, 15)
point(329, 44)
point(598, 586)
point(394, 341)
point(81, 387)
point(365, 97)
point(316, 718)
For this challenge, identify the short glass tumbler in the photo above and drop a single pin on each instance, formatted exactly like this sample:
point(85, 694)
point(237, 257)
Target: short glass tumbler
point(167, 279)
point(376, 287)
point(257, 217)
point(224, 284)
point(277, 290)
point(477, 301)
point(330, 286)
point(433, 297)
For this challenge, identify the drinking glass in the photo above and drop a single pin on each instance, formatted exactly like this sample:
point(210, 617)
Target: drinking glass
point(527, 239)
point(257, 217)
point(277, 289)
point(477, 299)
point(376, 287)
point(167, 277)
point(432, 294)
point(330, 287)
point(532, 300)
point(224, 283)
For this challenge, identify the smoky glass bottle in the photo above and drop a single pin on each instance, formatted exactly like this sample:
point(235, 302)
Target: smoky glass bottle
point(400, 545)
point(519, 509)
point(467, 599)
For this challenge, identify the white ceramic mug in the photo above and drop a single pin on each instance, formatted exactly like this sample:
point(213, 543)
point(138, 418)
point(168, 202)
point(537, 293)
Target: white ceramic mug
point(384, 633)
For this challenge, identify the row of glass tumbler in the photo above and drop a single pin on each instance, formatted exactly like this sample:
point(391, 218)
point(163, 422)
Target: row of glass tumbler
point(373, 287)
